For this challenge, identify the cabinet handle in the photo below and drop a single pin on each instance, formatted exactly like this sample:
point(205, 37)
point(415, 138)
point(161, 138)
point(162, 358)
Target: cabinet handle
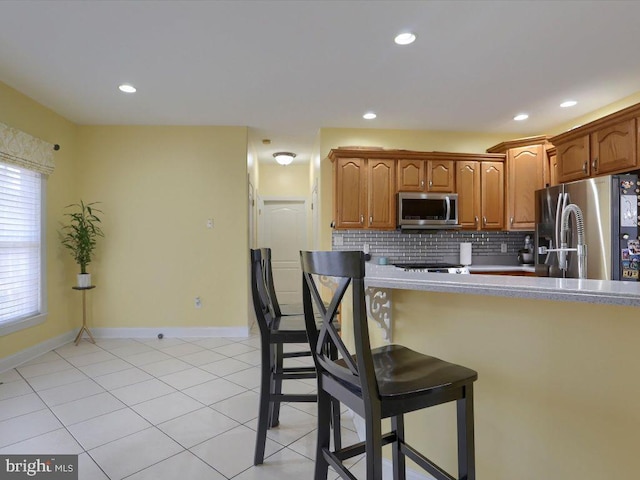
point(422, 183)
point(476, 220)
point(584, 167)
point(430, 183)
point(361, 219)
point(511, 221)
point(594, 164)
point(484, 221)
point(370, 220)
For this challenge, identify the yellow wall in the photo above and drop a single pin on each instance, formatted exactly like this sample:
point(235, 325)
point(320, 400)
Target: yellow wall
point(19, 111)
point(281, 181)
point(158, 186)
point(602, 112)
point(557, 392)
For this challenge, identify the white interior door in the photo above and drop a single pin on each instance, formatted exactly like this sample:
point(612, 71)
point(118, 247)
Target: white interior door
point(283, 228)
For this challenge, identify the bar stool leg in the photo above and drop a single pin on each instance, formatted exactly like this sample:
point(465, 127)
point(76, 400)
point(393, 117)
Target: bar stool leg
point(263, 409)
point(466, 443)
point(278, 366)
point(399, 464)
point(373, 445)
point(324, 435)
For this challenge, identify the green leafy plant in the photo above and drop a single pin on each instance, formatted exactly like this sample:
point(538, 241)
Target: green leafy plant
point(80, 234)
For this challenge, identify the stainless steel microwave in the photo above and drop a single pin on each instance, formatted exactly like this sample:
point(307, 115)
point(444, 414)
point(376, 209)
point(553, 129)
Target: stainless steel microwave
point(427, 210)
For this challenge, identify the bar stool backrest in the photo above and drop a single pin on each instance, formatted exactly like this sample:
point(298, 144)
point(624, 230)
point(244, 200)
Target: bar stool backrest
point(259, 292)
point(347, 269)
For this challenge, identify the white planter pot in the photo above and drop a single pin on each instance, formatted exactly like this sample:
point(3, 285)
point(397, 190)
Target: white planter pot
point(84, 280)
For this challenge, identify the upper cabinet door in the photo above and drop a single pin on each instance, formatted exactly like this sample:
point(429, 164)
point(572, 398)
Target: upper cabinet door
point(411, 176)
point(381, 200)
point(350, 193)
point(573, 159)
point(468, 189)
point(440, 176)
point(492, 181)
point(525, 175)
point(613, 149)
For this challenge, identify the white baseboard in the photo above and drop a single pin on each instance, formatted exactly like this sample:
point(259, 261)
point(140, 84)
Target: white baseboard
point(12, 361)
point(170, 332)
point(387, 465)
point(30, 353)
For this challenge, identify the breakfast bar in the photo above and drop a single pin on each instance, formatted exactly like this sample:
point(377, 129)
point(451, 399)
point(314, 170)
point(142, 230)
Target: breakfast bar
point(557, 361)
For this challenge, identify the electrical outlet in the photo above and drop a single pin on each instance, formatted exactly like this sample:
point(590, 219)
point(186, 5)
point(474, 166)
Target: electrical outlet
point(198, 302)
point(503, 248)
point(210, 223)
point(365, 249)
point(338, 241)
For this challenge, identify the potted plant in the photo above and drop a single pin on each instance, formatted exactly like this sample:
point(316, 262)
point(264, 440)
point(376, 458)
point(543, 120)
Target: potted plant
point(80, 235)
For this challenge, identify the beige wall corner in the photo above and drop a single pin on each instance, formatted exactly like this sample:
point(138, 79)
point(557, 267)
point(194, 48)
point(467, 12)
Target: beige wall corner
point(64, 314)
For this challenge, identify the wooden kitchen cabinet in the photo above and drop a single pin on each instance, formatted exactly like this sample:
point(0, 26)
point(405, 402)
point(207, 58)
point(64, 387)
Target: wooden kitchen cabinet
point(614, 148)
point(350, 200)
point(381, 195)
point(411, 175)
point(525, 175)
point(573, 159)
point(480, 188)
point(553, 166)
point(492, 195)
point(602, 147)
point(527, 170)
point(416, 175)
point(364, 193)
point(366, 181)
point(468, 189)
point(440, 176)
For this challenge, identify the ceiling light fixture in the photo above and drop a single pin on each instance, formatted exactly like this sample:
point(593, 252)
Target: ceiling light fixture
point(406, 38)
point(520, 117)
point(126, 88)
point(369, 116)
point(284, 158)
point(568, 103)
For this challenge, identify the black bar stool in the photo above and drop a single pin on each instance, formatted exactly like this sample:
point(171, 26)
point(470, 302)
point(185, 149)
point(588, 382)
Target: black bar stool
point(385, 382)
point(275, 331)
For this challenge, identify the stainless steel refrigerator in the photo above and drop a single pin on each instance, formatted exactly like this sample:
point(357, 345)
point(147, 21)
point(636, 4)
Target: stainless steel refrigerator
point(610, 210)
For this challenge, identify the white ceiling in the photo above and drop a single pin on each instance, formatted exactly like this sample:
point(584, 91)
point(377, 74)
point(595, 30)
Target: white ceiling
point(288, 68)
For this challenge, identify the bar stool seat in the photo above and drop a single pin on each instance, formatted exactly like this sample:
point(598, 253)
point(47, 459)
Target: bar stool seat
point(402, 373)
point(379, 383)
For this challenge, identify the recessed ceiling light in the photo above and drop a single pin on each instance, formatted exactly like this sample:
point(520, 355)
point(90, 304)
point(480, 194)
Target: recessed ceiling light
point(568, 103)
point(520, 117)
point(405, 38)
point(369, 116)
point(126, 88)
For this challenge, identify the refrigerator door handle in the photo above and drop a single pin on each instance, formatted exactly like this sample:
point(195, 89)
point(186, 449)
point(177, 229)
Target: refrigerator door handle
point(558, 213)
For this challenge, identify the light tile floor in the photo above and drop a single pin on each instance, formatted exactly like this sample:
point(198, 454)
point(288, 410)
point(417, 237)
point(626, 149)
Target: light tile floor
point(157, 409)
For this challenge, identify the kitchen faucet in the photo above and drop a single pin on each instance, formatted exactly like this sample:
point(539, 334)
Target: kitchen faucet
point(581, 247)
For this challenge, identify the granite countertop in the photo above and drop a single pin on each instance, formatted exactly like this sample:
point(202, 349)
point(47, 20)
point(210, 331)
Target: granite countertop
point(544, 288)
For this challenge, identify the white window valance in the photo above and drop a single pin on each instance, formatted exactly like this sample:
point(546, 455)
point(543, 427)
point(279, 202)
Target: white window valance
point(21, 149)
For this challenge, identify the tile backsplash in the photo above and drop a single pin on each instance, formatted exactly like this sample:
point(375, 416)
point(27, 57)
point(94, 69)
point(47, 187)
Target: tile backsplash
point(433, 246)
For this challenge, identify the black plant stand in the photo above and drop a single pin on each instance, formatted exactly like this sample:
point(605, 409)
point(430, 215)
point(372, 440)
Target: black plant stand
point(84, 315)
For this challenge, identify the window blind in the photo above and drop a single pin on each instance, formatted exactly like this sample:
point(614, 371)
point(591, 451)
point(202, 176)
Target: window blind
point(20, 243)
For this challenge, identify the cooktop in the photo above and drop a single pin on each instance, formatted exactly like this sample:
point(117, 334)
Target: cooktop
point(426, 265)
